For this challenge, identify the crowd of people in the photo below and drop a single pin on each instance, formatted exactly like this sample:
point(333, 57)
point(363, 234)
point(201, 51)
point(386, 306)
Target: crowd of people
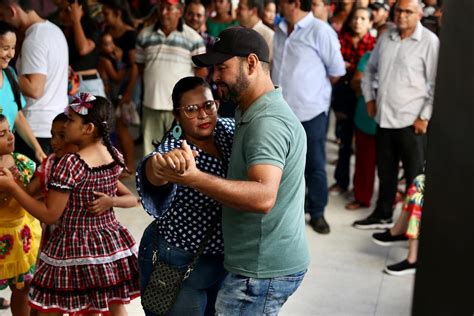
point(233, 102)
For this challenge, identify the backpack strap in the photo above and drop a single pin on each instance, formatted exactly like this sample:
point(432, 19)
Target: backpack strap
point(15, 86)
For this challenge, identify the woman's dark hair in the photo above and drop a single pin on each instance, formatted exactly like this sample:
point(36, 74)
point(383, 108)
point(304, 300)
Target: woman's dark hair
point(181, 87)
point(9, 72)
point(120, 6)
point(6, 28)
point(2, 117)
point(99, 115)
point(184, 85)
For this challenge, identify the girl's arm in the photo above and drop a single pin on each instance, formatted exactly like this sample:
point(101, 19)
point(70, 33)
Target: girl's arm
point(105, 67)
point(84, 45)
point(26, 134)
point(34, 187)
point(48, 212)
point(124, 199)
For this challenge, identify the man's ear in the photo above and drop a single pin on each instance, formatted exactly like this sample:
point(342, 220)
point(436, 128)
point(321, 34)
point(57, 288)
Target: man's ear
point(252, 62)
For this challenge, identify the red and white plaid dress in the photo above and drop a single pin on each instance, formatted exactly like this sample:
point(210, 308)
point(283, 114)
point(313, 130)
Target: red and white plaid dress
point(89, 261)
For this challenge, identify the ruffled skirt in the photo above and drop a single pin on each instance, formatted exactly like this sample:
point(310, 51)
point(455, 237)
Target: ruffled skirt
point(86, 270)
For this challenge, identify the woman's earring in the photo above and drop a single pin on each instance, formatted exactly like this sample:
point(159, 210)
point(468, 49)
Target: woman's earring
point(177, 131)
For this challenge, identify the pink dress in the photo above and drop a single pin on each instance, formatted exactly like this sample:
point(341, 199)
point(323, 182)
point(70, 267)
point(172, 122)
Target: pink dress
point(89, 261)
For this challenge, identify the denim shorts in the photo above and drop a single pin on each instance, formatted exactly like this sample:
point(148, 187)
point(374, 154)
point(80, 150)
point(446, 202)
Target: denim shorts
point(198, 292)
point(242, 295)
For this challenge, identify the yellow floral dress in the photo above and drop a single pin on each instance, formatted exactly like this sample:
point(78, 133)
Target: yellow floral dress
point(20, 233)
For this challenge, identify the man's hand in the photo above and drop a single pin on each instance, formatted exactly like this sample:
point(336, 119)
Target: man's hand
point(371, 108)
point(160, 168)
point(420, 126)
point(180, 166)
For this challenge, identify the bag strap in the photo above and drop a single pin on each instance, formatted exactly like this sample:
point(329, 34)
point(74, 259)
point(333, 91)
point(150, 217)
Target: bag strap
point(199, 252)
point(15, 87)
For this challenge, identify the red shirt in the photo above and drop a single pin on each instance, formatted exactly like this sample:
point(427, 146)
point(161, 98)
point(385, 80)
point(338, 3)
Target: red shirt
point(352, 54)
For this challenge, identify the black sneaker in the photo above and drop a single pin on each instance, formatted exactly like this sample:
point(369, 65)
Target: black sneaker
point(320, 225)
point(401, 268)
point(387, 239)
point(373, 223)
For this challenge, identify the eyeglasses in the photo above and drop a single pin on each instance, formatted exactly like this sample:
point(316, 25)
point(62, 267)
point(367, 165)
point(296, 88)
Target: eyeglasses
point(407, 12)
point(192, 110)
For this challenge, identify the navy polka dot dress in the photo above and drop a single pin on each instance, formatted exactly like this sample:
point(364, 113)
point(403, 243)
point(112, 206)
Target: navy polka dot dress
point(185, 215)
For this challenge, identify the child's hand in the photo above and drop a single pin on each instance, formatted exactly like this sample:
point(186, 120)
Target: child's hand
point(102, 203)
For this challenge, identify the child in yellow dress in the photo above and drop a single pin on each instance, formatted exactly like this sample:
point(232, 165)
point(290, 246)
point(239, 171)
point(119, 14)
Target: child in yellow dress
point(20, 233)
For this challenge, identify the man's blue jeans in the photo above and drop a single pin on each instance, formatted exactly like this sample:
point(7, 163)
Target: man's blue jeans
point(315, 172)
point(242, 295)
point(198, 292)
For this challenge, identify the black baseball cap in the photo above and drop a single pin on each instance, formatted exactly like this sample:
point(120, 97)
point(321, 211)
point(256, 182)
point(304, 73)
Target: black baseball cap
point(234, 41)
point(378, 4)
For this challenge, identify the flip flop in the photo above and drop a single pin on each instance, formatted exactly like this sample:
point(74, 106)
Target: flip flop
point(2, 303)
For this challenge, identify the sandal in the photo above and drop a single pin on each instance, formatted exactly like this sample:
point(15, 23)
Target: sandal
point(354, 205)
point(4, 303)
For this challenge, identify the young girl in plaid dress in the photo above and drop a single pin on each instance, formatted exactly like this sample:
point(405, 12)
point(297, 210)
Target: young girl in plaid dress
point(89, 265)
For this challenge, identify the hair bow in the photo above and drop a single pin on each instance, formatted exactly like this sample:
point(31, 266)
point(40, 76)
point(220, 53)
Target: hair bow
point(81, 103)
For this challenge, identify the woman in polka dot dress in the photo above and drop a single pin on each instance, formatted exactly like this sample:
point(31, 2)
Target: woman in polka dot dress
point(183, 216)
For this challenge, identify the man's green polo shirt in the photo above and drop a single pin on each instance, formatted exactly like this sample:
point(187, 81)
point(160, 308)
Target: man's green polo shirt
point(273, 244)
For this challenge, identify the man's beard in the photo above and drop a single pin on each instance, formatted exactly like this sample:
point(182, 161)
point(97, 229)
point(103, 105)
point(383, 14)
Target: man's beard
point(233, 92)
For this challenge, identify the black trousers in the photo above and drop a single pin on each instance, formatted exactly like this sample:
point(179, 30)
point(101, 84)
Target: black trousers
point(394, 145)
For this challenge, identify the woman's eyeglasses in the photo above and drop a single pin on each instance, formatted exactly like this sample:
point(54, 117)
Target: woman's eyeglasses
point(192, 110)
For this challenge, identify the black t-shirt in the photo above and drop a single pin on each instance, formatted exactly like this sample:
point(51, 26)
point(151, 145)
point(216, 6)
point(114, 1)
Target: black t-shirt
point(89, 61)
point(126, 42)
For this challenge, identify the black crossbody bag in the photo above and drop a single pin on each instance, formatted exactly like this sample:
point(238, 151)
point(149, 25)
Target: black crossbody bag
point(165, 281)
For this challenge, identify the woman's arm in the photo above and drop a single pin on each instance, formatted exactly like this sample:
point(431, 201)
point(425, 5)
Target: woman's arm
point(132, 77)
point(26, 134)
point(356, 81)
point(84, 45)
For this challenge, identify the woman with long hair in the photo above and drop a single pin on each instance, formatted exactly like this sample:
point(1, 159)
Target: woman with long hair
point(119, 25)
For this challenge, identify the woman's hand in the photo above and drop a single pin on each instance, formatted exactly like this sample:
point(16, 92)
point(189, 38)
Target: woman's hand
point(75, 12)
point(102, 203)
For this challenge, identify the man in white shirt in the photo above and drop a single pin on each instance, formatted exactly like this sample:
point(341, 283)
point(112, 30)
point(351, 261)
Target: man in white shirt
point(403, 68)
point(249, 13)
point(42, 69)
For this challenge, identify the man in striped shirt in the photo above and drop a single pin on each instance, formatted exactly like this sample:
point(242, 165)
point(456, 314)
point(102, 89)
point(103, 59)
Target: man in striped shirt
point(163, 53)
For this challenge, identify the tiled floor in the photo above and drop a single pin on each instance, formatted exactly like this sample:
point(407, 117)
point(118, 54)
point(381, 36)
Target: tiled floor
point(345, 276)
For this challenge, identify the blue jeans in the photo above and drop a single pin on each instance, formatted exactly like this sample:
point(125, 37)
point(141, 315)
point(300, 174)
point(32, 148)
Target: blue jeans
point(93, 86)
point(316, 164)
point(241, 295)
point(198, 292)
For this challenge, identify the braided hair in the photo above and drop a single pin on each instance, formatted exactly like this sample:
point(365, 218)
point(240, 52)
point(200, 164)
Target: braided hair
point(99, 115)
